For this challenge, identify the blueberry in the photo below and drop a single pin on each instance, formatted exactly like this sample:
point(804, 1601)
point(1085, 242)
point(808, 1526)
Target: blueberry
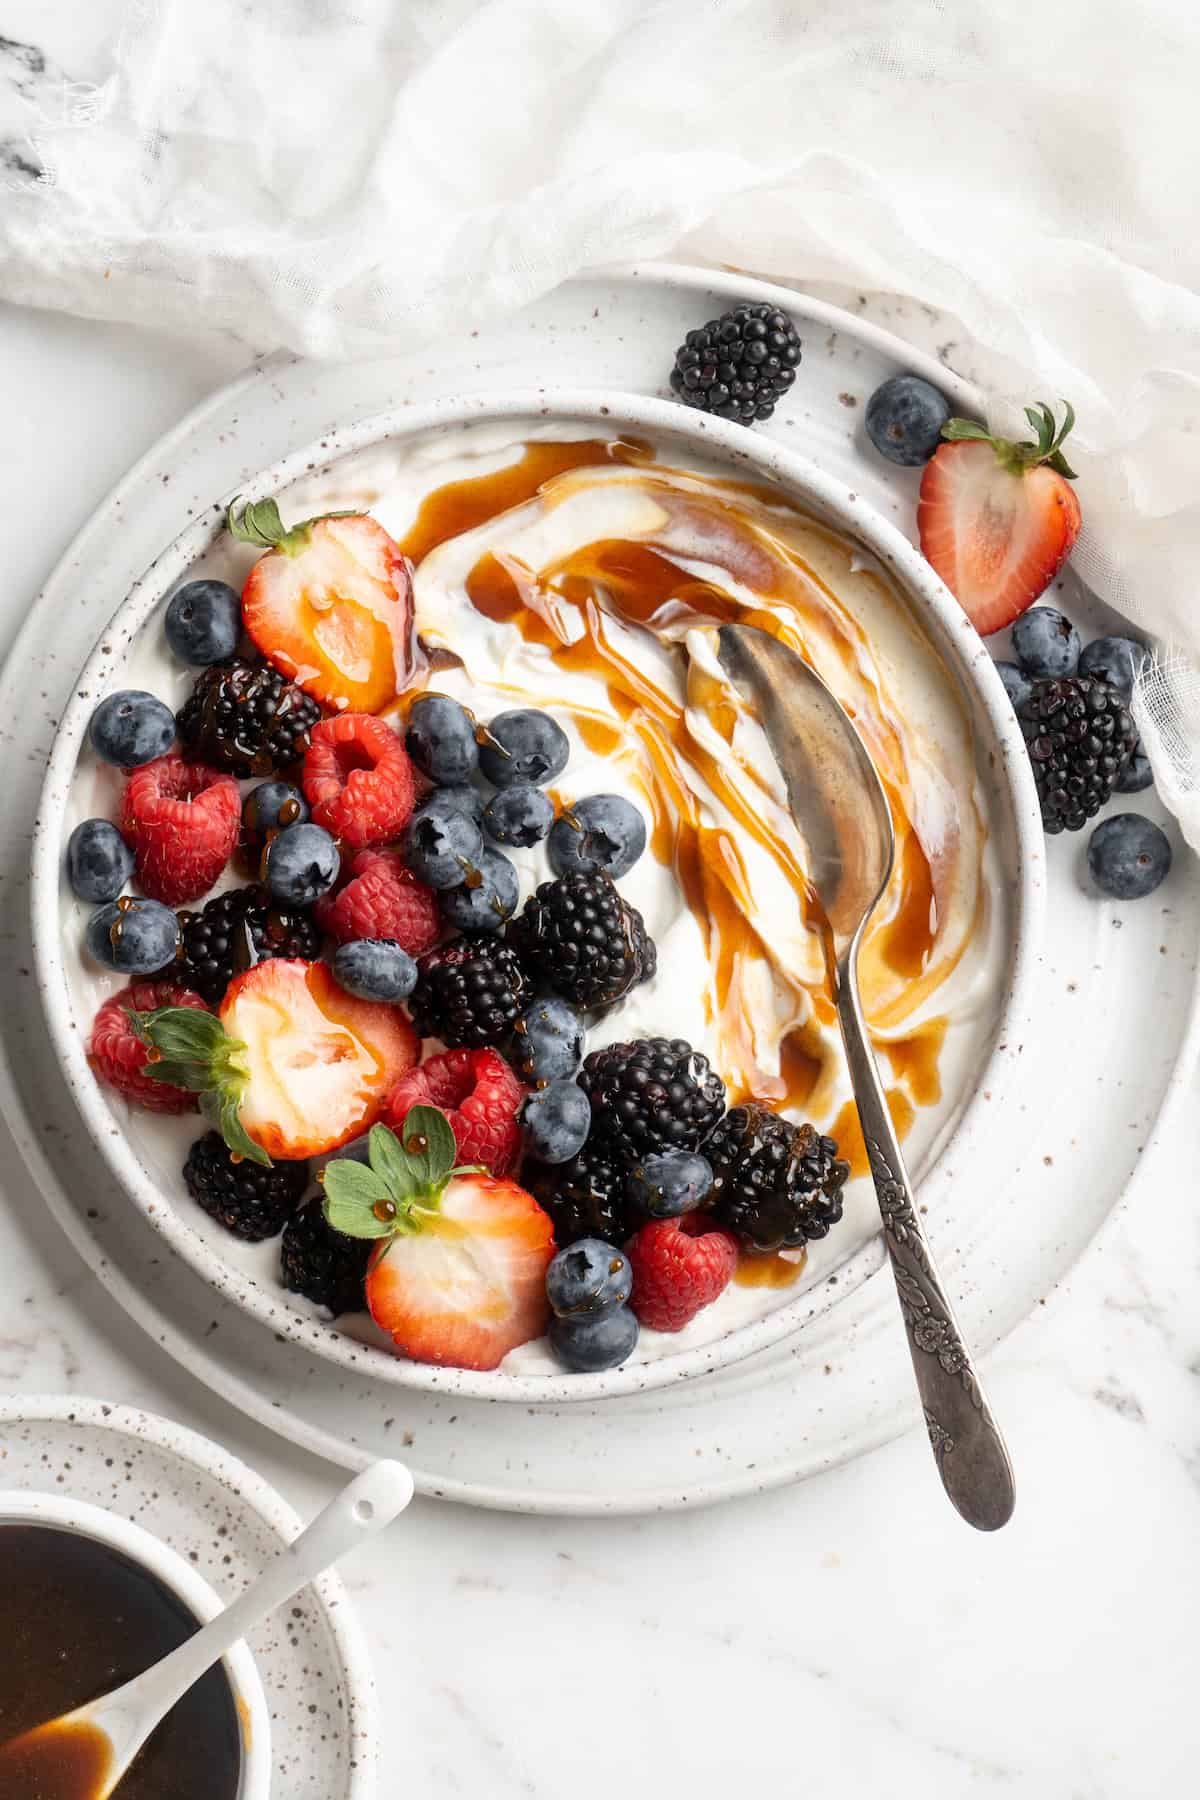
point(1137, 775)
point(557, 1119)
point(588, 1277)
point(134, 937)
point(603, 832)
point(491, 899)
point(462, 797)
point(904, 419)
point(442, 846)
point(357, 1150)
point(523, 747)
point(132, 728)
point(272, 805)
point(594, 1341)
point(302, 864)
point(441, 739)
point(669, 1183)
point(1115, 660)
point(204, 622)
point(520, 816)
point(1046, 643)
point(1017, 684)
point(99, 861)
point(547, 1043)
point(1128, 856)
point(375, 969)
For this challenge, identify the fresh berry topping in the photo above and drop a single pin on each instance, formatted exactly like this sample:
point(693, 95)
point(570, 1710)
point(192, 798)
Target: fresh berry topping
point(1079, 738)
point(480, 1096)
point(462, 797)
point(272, 806)
point(442, 845)
point(1046, 643)
point(440, 738)
point(604, 832)
point(183, 821)
point(302, 864)
point(458, 1272)
point(133, 937)
point(775, 1185)
point(118, 1053)
point(247, 719)
point(904, 419)
point(1017, 684)
point(740, 365)
point(330, 605)
point(358, 780)
point(522, 748)
point(557, 1119)
point(518, 816)
point(375, 969)
point(588, 1277)
point(487, 899)
point(470, 992)
point(668, 1183)
point(99, 861)
point(324, 1265)
point(998, 519)
point(594, 1341)
point(236, 930)
point(679, 1267)
point(584, 940)
point(1115, 660)
point(547, 1043)
point(204, 622)
point(652, 1094)
point(1128, 856)
point(1136, 776)
point(131, 728)
point(252, 1202)
point(585, 1197)
point(382, 899)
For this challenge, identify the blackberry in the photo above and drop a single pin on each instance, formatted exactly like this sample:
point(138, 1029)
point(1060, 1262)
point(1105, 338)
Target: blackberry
point(585, 1197)
point(1079, 737)
point(323, 1264)
point(775, 1184)
point(252, 1202)
point(583, 940)
point(655, 1094)
point(234, 931)
point(739, 365)
point(246, 718)
point(470, 993)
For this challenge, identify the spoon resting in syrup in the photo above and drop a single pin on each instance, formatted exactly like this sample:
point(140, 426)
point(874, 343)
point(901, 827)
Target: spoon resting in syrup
point(838, 801)
point(84, 1755)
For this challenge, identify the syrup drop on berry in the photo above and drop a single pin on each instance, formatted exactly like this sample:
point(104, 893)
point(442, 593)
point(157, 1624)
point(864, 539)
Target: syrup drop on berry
point(417, 1144)
point(384, 1211)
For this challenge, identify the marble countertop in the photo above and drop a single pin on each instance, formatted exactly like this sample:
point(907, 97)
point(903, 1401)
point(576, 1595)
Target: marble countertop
point(839, 1636)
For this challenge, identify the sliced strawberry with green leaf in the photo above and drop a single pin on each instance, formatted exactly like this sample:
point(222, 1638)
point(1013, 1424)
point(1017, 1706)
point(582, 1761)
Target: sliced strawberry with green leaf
point(293, 1067)
point(458, 1275)
point(997, 519)
point(330, 604)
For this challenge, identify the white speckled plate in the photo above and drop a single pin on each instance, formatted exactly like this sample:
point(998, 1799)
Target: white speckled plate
point(225, 1519)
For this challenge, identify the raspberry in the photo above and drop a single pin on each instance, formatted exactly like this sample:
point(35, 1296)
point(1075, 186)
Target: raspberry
point(478, 1093)
point(358, 779)
point(118, 1055)
point(182, 822)
point(382, 899)
point(679, 1266)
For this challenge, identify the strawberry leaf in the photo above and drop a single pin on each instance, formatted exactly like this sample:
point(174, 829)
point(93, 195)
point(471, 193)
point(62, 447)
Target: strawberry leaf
point(958, 430)
point(354, 1199)
point(223, 1113)
point(427, 1142)
point(392, 1165)
point(192, 1050)
point(402, 1186)
point(259, 523)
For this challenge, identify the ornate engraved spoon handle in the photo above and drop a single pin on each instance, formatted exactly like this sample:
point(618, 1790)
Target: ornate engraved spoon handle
point(967, 1445)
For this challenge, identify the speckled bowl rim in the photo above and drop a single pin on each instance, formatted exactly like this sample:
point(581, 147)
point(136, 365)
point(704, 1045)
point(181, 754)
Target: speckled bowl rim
point(247, 1488)
point(950, 630)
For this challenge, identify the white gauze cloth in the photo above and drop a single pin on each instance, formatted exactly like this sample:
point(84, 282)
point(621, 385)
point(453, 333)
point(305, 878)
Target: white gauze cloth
point(340, 177)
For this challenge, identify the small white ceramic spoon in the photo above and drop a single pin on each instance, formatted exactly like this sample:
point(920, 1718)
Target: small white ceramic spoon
point(128, 1716)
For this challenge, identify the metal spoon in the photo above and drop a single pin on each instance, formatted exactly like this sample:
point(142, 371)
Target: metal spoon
point(838, 801)
point(127, 1716)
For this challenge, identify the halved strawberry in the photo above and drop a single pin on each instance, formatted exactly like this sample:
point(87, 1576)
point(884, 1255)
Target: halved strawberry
point(330, 604)
point(293, 1067)
point(998, 519)
point(458, 1275)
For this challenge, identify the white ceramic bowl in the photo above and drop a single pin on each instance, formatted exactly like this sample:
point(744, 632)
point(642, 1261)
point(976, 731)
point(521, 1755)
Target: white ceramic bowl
point(60, 1513)
point(56, 930)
